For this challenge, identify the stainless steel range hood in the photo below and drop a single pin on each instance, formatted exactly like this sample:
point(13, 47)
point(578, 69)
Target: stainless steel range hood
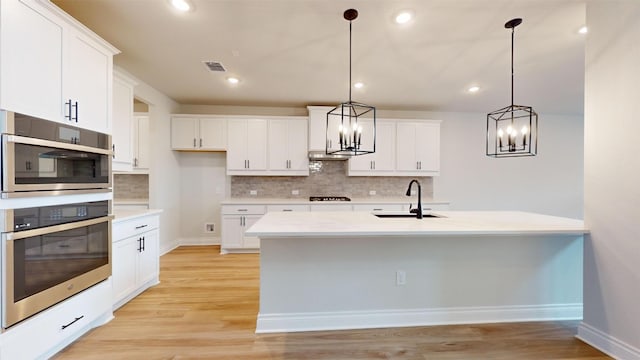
point(321, 155)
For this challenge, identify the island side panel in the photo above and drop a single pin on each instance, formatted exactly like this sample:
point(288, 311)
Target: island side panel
point(338, 283)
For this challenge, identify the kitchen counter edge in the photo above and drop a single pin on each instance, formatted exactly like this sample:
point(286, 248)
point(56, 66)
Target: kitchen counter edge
point(125, 214)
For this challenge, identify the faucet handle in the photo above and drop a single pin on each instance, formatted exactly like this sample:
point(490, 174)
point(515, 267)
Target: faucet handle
point(413, 211)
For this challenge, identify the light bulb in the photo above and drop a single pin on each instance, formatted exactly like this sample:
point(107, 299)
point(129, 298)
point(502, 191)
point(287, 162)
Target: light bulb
point(404, 17)
point(359, 129)
point(500, 132)
point(358, 85)
point(524, 130)
point(233, 80)
point(509, 130)
point(181, 5)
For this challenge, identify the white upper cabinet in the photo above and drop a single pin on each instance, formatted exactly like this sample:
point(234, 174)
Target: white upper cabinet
point(122, 114)
point(87, 80)
point(382, 162)
point(246, 146)
point(52, 67)
point(30, 60)
point(140, 142)
point(198, 133)
point(318, 129)
point(418, 148)
point(288, 146)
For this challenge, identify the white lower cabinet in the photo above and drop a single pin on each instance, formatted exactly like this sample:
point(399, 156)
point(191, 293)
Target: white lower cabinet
point(48, 332)
point(378, 207)
point(235, 221)
point(135, 257)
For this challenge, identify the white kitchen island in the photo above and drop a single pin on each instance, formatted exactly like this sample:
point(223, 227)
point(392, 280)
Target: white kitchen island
point(349, 270)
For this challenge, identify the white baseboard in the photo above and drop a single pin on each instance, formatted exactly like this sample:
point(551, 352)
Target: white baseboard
point(199, 241)
point(270, 323)
point(607, 343)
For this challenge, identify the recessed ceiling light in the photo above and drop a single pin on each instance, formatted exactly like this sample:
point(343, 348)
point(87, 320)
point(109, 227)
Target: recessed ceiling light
point(473, 89)
point(358, 85)
point(404, 17)
point(583, 30)
point(233, 80)
point(181, 5)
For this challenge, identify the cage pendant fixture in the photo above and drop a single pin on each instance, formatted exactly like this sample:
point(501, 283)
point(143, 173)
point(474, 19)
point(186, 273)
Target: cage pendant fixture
point(351, 126)
point(513, 130)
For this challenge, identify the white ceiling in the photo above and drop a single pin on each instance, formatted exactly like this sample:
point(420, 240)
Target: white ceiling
point(295, 52)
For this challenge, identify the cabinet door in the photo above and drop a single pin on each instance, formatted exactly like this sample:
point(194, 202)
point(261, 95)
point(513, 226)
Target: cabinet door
point(124, 267)
point(87, 71)
point(366, 162)
point(256, 144)
point(298, 145)
point(250, 242)
point(213, 134)
point(385, 156)
point(148, 258)
point(184, 133)
point(237, 144)
point(406, 147)
point(122, 119)
point(141, 142)
point(279, 144)
point(31, 60)
point(428, 147)
point(232, 231)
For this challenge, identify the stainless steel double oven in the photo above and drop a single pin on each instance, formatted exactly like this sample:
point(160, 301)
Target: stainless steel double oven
point(52, 252)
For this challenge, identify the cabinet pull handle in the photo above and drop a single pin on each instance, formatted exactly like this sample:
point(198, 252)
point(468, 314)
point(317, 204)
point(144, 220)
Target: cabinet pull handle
point(144, 241)
point(68, 104)
point(139, 245)
point(248, 164)
point(377, 209)
point(200, 142)
point(73, 322)
point(141, 226)
point(243, 210)
point(113, 150)
point(76, 107)
point(194, 142)
point(287, 210)
point(135, 162)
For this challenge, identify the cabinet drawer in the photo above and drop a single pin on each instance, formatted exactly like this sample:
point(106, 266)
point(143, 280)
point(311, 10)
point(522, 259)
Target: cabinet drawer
point(378, 207)
point(125, 229)
point(288, 208)
point(57, 326)
point(243, 209)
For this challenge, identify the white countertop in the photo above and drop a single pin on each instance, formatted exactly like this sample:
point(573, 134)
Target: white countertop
point(354, 224)
point(305, 201)
point(128, 214)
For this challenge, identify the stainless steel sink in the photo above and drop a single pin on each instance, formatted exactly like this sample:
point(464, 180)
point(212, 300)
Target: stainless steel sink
point(424, 216)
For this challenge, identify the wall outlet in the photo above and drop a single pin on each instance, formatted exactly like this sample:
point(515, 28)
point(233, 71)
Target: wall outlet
point(209, 227)
point(295, 192)
point(253, 192)
point(372, 192)
point(401, 277)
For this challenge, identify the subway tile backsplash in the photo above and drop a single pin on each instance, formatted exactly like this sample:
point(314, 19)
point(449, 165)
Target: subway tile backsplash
point(130, 186)
point(326, 178)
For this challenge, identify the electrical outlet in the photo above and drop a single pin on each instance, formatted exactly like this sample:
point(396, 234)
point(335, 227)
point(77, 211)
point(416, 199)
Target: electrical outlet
point(401, 278)
point(372, 192)
point(295, 192)
point(253, 192)
point(209, 227)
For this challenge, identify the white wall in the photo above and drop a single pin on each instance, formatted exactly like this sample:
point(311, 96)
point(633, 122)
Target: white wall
point(612, 178)
point(203, 187)
point(164, 173)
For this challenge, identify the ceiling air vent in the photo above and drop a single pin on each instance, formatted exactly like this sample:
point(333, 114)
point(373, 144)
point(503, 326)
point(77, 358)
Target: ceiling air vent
point(215, 66)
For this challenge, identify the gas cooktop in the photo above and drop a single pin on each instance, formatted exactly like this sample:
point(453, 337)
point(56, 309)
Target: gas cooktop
point(329, 198)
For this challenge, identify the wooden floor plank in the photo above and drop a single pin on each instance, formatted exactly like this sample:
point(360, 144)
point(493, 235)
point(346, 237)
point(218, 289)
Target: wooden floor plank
point(206, 305)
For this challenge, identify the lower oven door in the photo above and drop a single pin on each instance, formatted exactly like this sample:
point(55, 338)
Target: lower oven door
point(45, 266)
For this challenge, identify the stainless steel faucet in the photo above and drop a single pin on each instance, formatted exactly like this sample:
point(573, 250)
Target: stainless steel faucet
point(417, 210)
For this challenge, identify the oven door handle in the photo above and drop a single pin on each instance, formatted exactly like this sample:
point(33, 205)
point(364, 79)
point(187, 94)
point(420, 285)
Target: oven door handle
point(56, 228)
point(54, 144)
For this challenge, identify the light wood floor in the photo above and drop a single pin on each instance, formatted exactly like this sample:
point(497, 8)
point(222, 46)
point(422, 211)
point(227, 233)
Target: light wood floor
point(206, 304)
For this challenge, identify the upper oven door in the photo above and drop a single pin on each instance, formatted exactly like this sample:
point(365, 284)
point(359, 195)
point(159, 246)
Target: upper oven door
point(31, 165)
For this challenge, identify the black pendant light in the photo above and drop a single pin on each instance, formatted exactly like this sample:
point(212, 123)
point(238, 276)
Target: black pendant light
point(345, 132)
point(513, 130)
